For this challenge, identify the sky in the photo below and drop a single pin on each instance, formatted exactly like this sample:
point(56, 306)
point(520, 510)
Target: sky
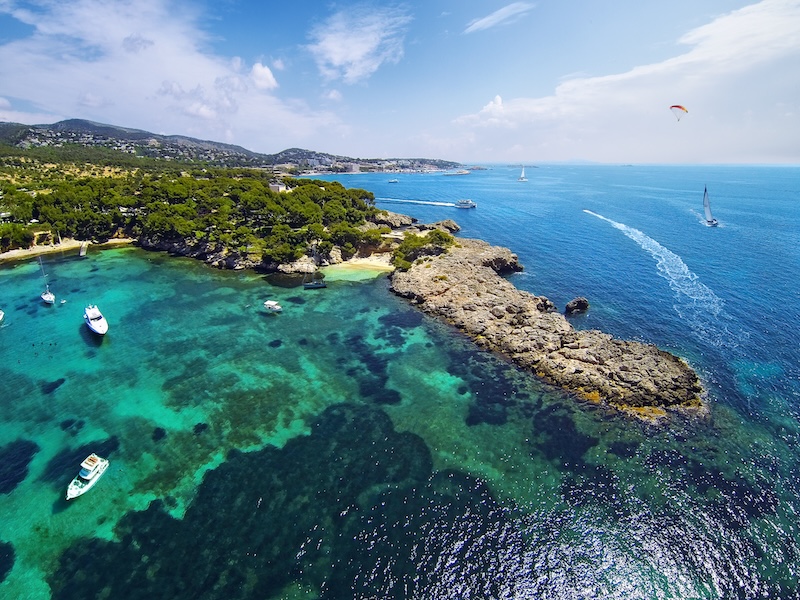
point(473, 81)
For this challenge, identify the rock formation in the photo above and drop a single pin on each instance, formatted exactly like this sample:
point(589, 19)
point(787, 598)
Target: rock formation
point(578, 305)
point(465, 287)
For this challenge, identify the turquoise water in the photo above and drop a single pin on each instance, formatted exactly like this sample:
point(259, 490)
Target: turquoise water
point(351, 448)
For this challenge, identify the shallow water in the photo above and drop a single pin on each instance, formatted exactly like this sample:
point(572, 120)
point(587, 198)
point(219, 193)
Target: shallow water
point(350, 447)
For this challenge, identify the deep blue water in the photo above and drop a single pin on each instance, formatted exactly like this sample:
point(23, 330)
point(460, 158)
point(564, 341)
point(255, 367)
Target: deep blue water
point(352, 448)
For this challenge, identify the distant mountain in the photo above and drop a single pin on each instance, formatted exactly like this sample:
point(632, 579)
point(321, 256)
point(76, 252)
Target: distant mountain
point(178, 147)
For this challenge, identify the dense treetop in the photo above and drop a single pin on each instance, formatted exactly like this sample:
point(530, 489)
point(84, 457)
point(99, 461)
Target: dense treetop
point(96, 194)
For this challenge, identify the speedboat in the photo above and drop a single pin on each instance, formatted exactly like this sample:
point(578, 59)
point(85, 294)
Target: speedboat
point(273, 306)
point(92, 468)
point(95, 320)
point(466, 203)
point(394, 181)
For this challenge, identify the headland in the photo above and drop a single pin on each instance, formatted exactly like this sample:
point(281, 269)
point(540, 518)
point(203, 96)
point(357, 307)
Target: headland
point(466, 288)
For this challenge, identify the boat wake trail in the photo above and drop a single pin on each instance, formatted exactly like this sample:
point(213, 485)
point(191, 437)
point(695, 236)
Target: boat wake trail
point(695, 302)
point(429, 202)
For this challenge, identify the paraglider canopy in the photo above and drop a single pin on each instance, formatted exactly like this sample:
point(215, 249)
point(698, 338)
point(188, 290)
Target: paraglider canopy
point(678, 111)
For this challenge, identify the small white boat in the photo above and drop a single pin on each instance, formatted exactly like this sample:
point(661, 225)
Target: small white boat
point(273, 306)
point(48, 297)
point(466, 203)
point(710, 220)
point(95, 320)
point(522, 175)
point(2, 316)
point(394, 181)
point(92, 468)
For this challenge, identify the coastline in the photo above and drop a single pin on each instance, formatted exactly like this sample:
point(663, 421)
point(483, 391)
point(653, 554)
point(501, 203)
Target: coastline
point(465, 288)
point(65, 245)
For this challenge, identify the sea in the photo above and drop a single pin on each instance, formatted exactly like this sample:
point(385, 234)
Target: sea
point(352, 447)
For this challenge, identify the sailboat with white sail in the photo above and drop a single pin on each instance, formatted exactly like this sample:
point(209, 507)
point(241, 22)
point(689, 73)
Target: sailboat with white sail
point(710, 220)
point(48, 297)
point(522, 175)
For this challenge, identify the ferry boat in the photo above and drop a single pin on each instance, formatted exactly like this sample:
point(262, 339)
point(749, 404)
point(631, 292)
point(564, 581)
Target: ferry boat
point(95, 320)
point(92, 468)
point(466, 203)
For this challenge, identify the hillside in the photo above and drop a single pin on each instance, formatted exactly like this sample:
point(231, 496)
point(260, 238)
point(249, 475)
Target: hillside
point(182, 148)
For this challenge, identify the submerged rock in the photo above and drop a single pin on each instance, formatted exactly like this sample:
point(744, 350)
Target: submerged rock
point(14, 461)
point(6, 559)
point(464, 287)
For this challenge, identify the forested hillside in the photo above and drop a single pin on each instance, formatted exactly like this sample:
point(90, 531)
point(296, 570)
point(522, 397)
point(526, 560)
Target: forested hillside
point(96, 194)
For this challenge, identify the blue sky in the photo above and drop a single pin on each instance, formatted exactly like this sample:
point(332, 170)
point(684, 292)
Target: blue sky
point(465, 80)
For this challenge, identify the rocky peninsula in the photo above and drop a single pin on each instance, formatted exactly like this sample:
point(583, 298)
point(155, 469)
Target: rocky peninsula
point(465, 287)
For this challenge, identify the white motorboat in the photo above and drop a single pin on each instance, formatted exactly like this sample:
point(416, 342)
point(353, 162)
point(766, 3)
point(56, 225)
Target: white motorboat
point(92, 468)
point(273, 306)
point(466, 203)
point(95, 320)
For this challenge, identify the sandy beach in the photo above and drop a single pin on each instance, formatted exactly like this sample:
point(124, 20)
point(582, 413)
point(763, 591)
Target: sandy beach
point(64, 246)
point(360, 268)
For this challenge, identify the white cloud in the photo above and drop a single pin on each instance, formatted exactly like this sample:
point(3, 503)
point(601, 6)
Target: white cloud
point(334, 95)
point(736, 80)
point(263, 78)
point(146, 65)
point(351, 45)
point(136, 43)
point(505, 15)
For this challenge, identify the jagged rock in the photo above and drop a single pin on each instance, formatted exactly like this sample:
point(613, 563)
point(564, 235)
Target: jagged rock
point(578, 305)
point(464, 287)
point(448, 225)
point(393, 220)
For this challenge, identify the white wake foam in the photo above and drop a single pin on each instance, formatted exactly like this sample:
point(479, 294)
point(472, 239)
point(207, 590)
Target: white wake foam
point(694, 301)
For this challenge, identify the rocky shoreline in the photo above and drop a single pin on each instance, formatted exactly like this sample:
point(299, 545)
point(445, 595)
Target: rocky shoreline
point(466, 288)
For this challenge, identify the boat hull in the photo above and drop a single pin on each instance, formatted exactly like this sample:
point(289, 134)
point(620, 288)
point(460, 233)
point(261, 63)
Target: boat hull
point(79, 486)
point(273, 306)
point(95, 321)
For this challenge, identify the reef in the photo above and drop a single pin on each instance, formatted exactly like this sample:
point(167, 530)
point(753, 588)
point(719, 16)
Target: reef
point(6, 559)
point(466, 287)
point(14, 461)
point(353, 510)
